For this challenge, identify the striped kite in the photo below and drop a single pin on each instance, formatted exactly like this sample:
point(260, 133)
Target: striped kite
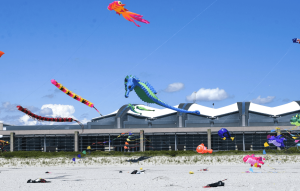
point(73, 95)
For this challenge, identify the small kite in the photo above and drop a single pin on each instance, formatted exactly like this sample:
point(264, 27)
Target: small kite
point(40, 118)
point(3, 144)
point(144, 109)
point(296, 40)
point(277, 141)
point(1, 53)
point(73, 95)
point(202, 149)
point(254, 161)
point(133, 109)
point(295, 120)
point(129, 16)
point(224, 133)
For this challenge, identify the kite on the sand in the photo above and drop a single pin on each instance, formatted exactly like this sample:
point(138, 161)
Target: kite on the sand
point(1, 53)
point(73, 95)
point(129, 16)
point(202, 149)
point(40, 118)
point(224, 133)
point(148, 94)
point(254, 161)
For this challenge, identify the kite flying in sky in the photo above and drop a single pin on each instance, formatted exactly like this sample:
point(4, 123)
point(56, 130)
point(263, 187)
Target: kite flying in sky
point(73, 95)
point(129, 16)
point(148, 94)
point(296, 40)
point(40, 118)
point(1, 53)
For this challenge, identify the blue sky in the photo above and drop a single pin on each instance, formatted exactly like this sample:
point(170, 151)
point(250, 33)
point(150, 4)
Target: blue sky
point(232, 45)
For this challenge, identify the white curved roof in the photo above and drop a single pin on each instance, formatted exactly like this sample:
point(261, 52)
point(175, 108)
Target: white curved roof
point(208, 111)
point(286, 108)
point(214, 112)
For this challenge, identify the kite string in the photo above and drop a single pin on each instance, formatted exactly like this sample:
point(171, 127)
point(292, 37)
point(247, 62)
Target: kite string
point(268, 73)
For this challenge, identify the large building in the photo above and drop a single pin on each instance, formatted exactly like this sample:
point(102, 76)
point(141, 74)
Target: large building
point(162, 129)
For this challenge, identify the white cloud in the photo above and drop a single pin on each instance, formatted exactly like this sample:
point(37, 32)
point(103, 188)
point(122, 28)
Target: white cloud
point(174, 87)
point(260, 100)
point(46, 111)
point(208, 95)
point(60, 110)
point(84, 121)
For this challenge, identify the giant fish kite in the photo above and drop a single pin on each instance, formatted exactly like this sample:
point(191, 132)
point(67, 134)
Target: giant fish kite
point(296, 40)
point(40, 118)
point(129, 16)
point(148, 94)
point(73, 95)
point(1, 53)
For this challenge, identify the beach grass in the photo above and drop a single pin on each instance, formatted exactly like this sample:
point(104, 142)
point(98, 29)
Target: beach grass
point(39, 154)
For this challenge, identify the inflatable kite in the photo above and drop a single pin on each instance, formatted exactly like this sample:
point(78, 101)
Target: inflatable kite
point(1, 53)
point(73, 95)
point(3, 144)
point(224, 133)
point(147, 93)
point(129, 16)
point(202, 149)
point(133, 109)
point(296, 40)
point(295, 120)
point(254, 161)
point(277, 141)
point(40, 118)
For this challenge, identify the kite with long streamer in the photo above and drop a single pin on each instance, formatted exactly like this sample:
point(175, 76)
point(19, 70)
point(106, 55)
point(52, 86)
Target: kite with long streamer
point(1, 53)
point(129, 16)
point(73, 95)
point(40, 118)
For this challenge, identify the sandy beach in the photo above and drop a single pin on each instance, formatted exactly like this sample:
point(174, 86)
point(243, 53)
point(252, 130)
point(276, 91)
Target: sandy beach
point(276, 175)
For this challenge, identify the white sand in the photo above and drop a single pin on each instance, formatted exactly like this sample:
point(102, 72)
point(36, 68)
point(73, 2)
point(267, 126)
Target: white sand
point(86, 176)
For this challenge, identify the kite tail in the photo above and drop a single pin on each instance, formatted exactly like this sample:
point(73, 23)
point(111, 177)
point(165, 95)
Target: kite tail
point(82, 126)
point(98, 111)
point(138, 18)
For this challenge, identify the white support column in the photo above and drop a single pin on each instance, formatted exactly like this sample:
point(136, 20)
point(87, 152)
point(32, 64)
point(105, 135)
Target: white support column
point(175, 142)
point(243, 141)
point(76, 141)
point(45, 143)
point(208, 138)
point(109, 142)
point(12, 140)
